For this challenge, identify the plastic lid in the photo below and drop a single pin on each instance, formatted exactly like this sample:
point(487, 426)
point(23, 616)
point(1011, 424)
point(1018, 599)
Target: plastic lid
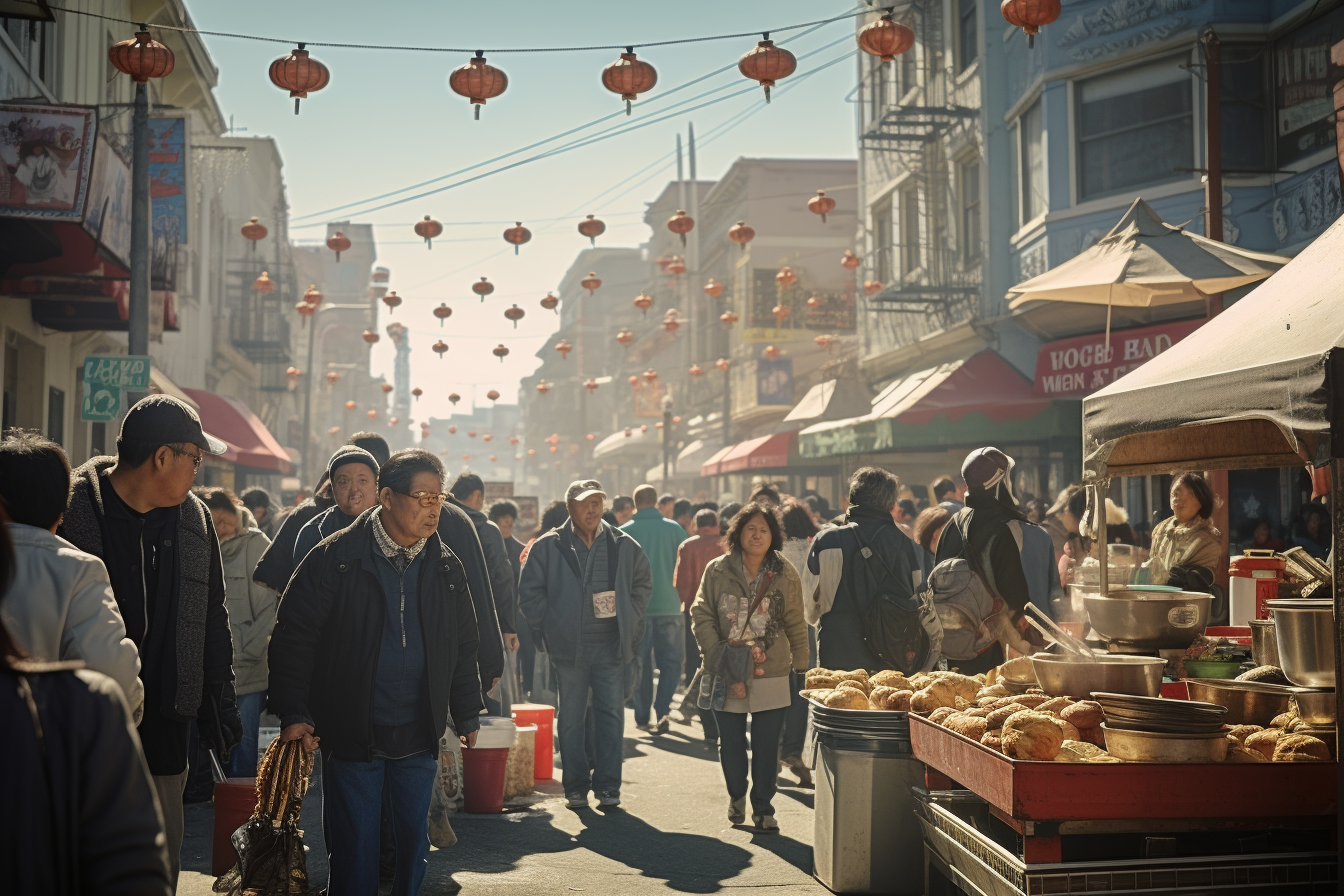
point(1246, 563)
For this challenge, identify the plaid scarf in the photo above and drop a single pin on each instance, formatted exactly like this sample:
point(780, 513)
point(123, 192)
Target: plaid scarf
point(398, 556)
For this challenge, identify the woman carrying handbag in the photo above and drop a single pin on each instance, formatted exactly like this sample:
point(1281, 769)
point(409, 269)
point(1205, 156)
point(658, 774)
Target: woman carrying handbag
point(748, 621)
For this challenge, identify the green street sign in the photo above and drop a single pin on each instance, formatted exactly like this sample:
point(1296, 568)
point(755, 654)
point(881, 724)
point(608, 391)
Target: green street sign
point(101, 403)
point(117, 371)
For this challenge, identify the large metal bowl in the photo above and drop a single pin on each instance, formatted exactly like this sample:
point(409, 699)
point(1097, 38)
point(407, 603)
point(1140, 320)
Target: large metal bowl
point(1247, 702)
point(1264, 647)
point(1304, 632)
point(1315, 707)
point(1065, 676)
point(1150, 620)
point(1147, 746)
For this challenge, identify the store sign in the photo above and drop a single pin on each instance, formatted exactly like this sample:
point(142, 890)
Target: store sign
point(46, 153)
point(1073, 368)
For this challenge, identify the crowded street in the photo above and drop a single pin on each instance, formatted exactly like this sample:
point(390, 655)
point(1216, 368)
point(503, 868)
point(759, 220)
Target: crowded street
point(806, 447)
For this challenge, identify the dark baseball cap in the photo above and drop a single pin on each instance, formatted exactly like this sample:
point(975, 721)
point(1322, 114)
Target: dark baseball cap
point(164, 420)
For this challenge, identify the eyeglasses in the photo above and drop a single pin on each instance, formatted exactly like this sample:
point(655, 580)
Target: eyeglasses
point(196, 458)
point(427, 499)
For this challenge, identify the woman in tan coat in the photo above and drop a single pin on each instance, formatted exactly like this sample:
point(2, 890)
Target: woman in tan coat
point(1186, 546)
point(748, 620)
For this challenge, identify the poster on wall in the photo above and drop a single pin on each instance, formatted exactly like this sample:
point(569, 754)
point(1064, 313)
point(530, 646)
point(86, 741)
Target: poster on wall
point(108, 219)
point(168, 197)
point(1304, 79)
point(46, 153)
point(774, 381)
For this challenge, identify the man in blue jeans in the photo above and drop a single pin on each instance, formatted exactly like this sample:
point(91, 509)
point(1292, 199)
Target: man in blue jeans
point(664, 642)
point(584, 589)
point(374, 649)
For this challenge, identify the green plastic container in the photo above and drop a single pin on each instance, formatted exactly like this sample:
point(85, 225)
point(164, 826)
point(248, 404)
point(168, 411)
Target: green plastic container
point(1212, 668)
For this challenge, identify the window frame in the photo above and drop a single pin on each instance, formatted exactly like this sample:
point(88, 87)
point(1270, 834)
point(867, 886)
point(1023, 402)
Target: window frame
point(968, 180)
point(907, 207)
point(963, 15)
point(883, 223)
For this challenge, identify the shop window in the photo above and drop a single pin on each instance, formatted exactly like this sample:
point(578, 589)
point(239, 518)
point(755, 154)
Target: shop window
point(1032, 201)
point(879, 79)
point(1135, 128)
point(909, 69)
point(883, 242)
point(910, 254)
point(969, 178)
point(967, 36)
point(1245, 109)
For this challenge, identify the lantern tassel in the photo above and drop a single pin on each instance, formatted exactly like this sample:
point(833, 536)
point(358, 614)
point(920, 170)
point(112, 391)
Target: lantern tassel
point(627, 107)
point(515, 252)
point(478, 111)
point(338, 258)
point(1031, 41)
point(767, 93)
point(296, 105)
point(592, 241)
point(823, 217)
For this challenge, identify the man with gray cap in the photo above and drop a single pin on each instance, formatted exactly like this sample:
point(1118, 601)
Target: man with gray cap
point(158, 541)
point(353, 473)
point(584, 590)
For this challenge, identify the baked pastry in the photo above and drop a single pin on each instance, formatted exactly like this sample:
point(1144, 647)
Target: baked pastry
point(1093, 735)
point(1056, 705)
point(964, 686)
point(847, 698)
point(890, 678)
point(890, 699)
point(1032, 700)
point(1300, 748)
point(998, 716)
point(856, 674)
point(1282, 720)
point(1033, 736)
point(993, 690)
point(1070, 732)
point(821, 678)
point(1241, 732)
point(938, 693)
point(1264, 741)
point(993, 739)
point(1084, 714)
point(967, 726)
point(856, 685)
point(1018, 669)
point(1077, 751)
point(937, 716)
point(1237, 753)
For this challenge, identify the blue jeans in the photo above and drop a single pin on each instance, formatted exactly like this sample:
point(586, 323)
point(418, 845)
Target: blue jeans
point(352, 806)
point(243, 760)
point(663, 645)
point(606, 683)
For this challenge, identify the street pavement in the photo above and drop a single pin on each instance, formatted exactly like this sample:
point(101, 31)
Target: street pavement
point(670, 833)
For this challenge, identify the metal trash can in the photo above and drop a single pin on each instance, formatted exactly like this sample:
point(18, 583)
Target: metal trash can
point(867, 837)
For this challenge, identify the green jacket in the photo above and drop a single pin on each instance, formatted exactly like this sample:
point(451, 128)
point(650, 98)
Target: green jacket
point(659, 537)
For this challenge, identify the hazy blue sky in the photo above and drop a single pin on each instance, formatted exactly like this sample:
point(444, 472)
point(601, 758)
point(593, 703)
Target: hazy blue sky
point(388, 120)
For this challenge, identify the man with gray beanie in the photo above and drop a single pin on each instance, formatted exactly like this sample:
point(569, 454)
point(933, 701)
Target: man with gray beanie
point(353, 473)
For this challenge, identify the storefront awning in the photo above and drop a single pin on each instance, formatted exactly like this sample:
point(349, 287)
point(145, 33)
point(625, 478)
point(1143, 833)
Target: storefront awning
point(711, 466)
point(629, 441)
point(832, 400)
point(759, 453)
point(159, 382)
point(250, 443)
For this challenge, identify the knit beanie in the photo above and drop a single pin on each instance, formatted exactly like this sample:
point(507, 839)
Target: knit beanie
point(351, 454)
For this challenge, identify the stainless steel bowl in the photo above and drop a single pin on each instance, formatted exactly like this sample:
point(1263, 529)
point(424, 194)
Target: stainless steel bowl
point(1065, 676)
point(1151, 620)
point(1316, 708)
point(1247, 702)
point(1147, 746)
point(1304, 632)
point(1264, 649)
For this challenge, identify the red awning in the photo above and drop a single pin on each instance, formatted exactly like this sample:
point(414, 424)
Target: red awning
point(711, 466)
point(759, 453)
point(250, 442)
point(985, 382)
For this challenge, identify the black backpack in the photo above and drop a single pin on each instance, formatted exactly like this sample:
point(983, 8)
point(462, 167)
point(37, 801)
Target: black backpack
point(904, 632)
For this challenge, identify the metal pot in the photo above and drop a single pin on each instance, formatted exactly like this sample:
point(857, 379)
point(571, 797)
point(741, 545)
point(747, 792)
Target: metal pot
point(1068, 676)
point(1304, 631)
point(1146, 746)
point(1150, 620)
point(1264, 649)
point(1247, 702)
point(1315, 707)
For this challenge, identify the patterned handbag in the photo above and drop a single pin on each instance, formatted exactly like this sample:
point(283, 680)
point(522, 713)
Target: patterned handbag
point(270, 844)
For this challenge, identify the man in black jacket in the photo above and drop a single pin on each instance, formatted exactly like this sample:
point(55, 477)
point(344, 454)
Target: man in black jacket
point(158, 541)
point(468, 495)
point(374, 649)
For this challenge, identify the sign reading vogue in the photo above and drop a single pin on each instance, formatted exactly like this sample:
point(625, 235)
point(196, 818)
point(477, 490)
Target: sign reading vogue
point(1073, 368)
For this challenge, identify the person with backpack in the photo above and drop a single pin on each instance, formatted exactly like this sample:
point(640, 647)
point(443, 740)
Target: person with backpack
point(868, 572)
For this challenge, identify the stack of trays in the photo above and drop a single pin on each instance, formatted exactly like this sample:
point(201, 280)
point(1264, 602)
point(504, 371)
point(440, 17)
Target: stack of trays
point(1158, 716)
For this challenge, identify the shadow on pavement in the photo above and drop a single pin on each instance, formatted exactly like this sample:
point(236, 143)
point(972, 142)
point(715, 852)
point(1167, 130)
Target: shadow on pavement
point(796, 853)
point(695, 748)
point(805, 796)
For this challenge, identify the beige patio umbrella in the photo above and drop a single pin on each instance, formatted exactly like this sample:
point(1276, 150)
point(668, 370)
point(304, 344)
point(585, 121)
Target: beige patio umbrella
point(1145, 262)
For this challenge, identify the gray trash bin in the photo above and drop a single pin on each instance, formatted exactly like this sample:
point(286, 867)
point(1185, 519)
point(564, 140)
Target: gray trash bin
point(867, 837)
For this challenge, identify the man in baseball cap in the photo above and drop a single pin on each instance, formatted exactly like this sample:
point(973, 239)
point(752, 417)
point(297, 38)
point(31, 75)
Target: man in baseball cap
point(158, 541)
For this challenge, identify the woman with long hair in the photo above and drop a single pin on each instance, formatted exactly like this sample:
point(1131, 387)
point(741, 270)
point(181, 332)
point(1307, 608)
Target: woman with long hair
point(1186, 546)
point(748, 620)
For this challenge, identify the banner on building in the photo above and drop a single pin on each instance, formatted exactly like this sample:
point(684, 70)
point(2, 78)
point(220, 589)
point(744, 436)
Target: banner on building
point(1079, 366)
point(46, 153)
point(774, 381)
point(168, 197)
point(108, 218)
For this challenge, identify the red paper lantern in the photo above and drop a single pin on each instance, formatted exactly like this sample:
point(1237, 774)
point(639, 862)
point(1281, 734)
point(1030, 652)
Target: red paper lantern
point(681, 224)
point(487, 437)
point(493, 458)
point(1029, 15)
point(650, 375)
point(663, 261)
point(514, 314)
point(350, 405)
point(478, 81)
point(624, 337)
point(676, 265)
point(293, 374)
point(514, 440)
point(771, 352)
point(786, 277)
point(332, 377)
point(439, 348)
point(728, 318)
point(338, 243)
point(141, 57)
point(643, 302)
point(767, 63)
point(592, 228)
point(417, 392)
point(394, 420)
point(550, 302)
point(564, 348)
point(671, 324)
point(820, 204)
point(814, 302)
point(370, 337)
point(850, 261)
point(493, 395)
point(452, 430)
point(590, 384)
point(373, 415)
point(543, 387)
point(517, 235)
point(780, 312)
point(471, 433)
point(454, 398)
point(741, 234)
point(628, 432)
point(300, 74)
point(723, 364)
point(591, 283)
point(427, 230)
point(386, 387)
point(305, 311)
point(872, 286)
point(483, 288)
point(312, 296)
point(697, 370)
point(629, 76)
point(713, 288)
point(443, 312)
point(553, 449)
point(590, 437)
point(466, 457)
point(253, 231)
point(886, 38)
point(633, 381)
point(333, 430)
point(500, 351)
point(825, 340)
point(264, 283)
point(644, 427)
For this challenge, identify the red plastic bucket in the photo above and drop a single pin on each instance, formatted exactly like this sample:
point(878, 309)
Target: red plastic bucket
point(543, 717)
point(234, 801)
point(483, 774)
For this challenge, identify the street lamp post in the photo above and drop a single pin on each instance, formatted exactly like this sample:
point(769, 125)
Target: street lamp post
point(667, 437)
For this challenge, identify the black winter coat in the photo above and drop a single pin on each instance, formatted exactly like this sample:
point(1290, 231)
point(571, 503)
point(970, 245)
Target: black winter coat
point(324, 650)
point(459, 533)
point(277, 564)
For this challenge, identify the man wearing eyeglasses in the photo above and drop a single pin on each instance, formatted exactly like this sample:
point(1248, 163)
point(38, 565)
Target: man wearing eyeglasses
point(158, 541)
point(373, 651)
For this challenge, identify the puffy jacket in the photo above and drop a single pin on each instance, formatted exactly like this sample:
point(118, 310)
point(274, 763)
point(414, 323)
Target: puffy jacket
point(552, 587)
point(725, 593)
point(457, 531)
point(324, 651)
point(277, 564)
point(61, 607)
point(251, 608)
